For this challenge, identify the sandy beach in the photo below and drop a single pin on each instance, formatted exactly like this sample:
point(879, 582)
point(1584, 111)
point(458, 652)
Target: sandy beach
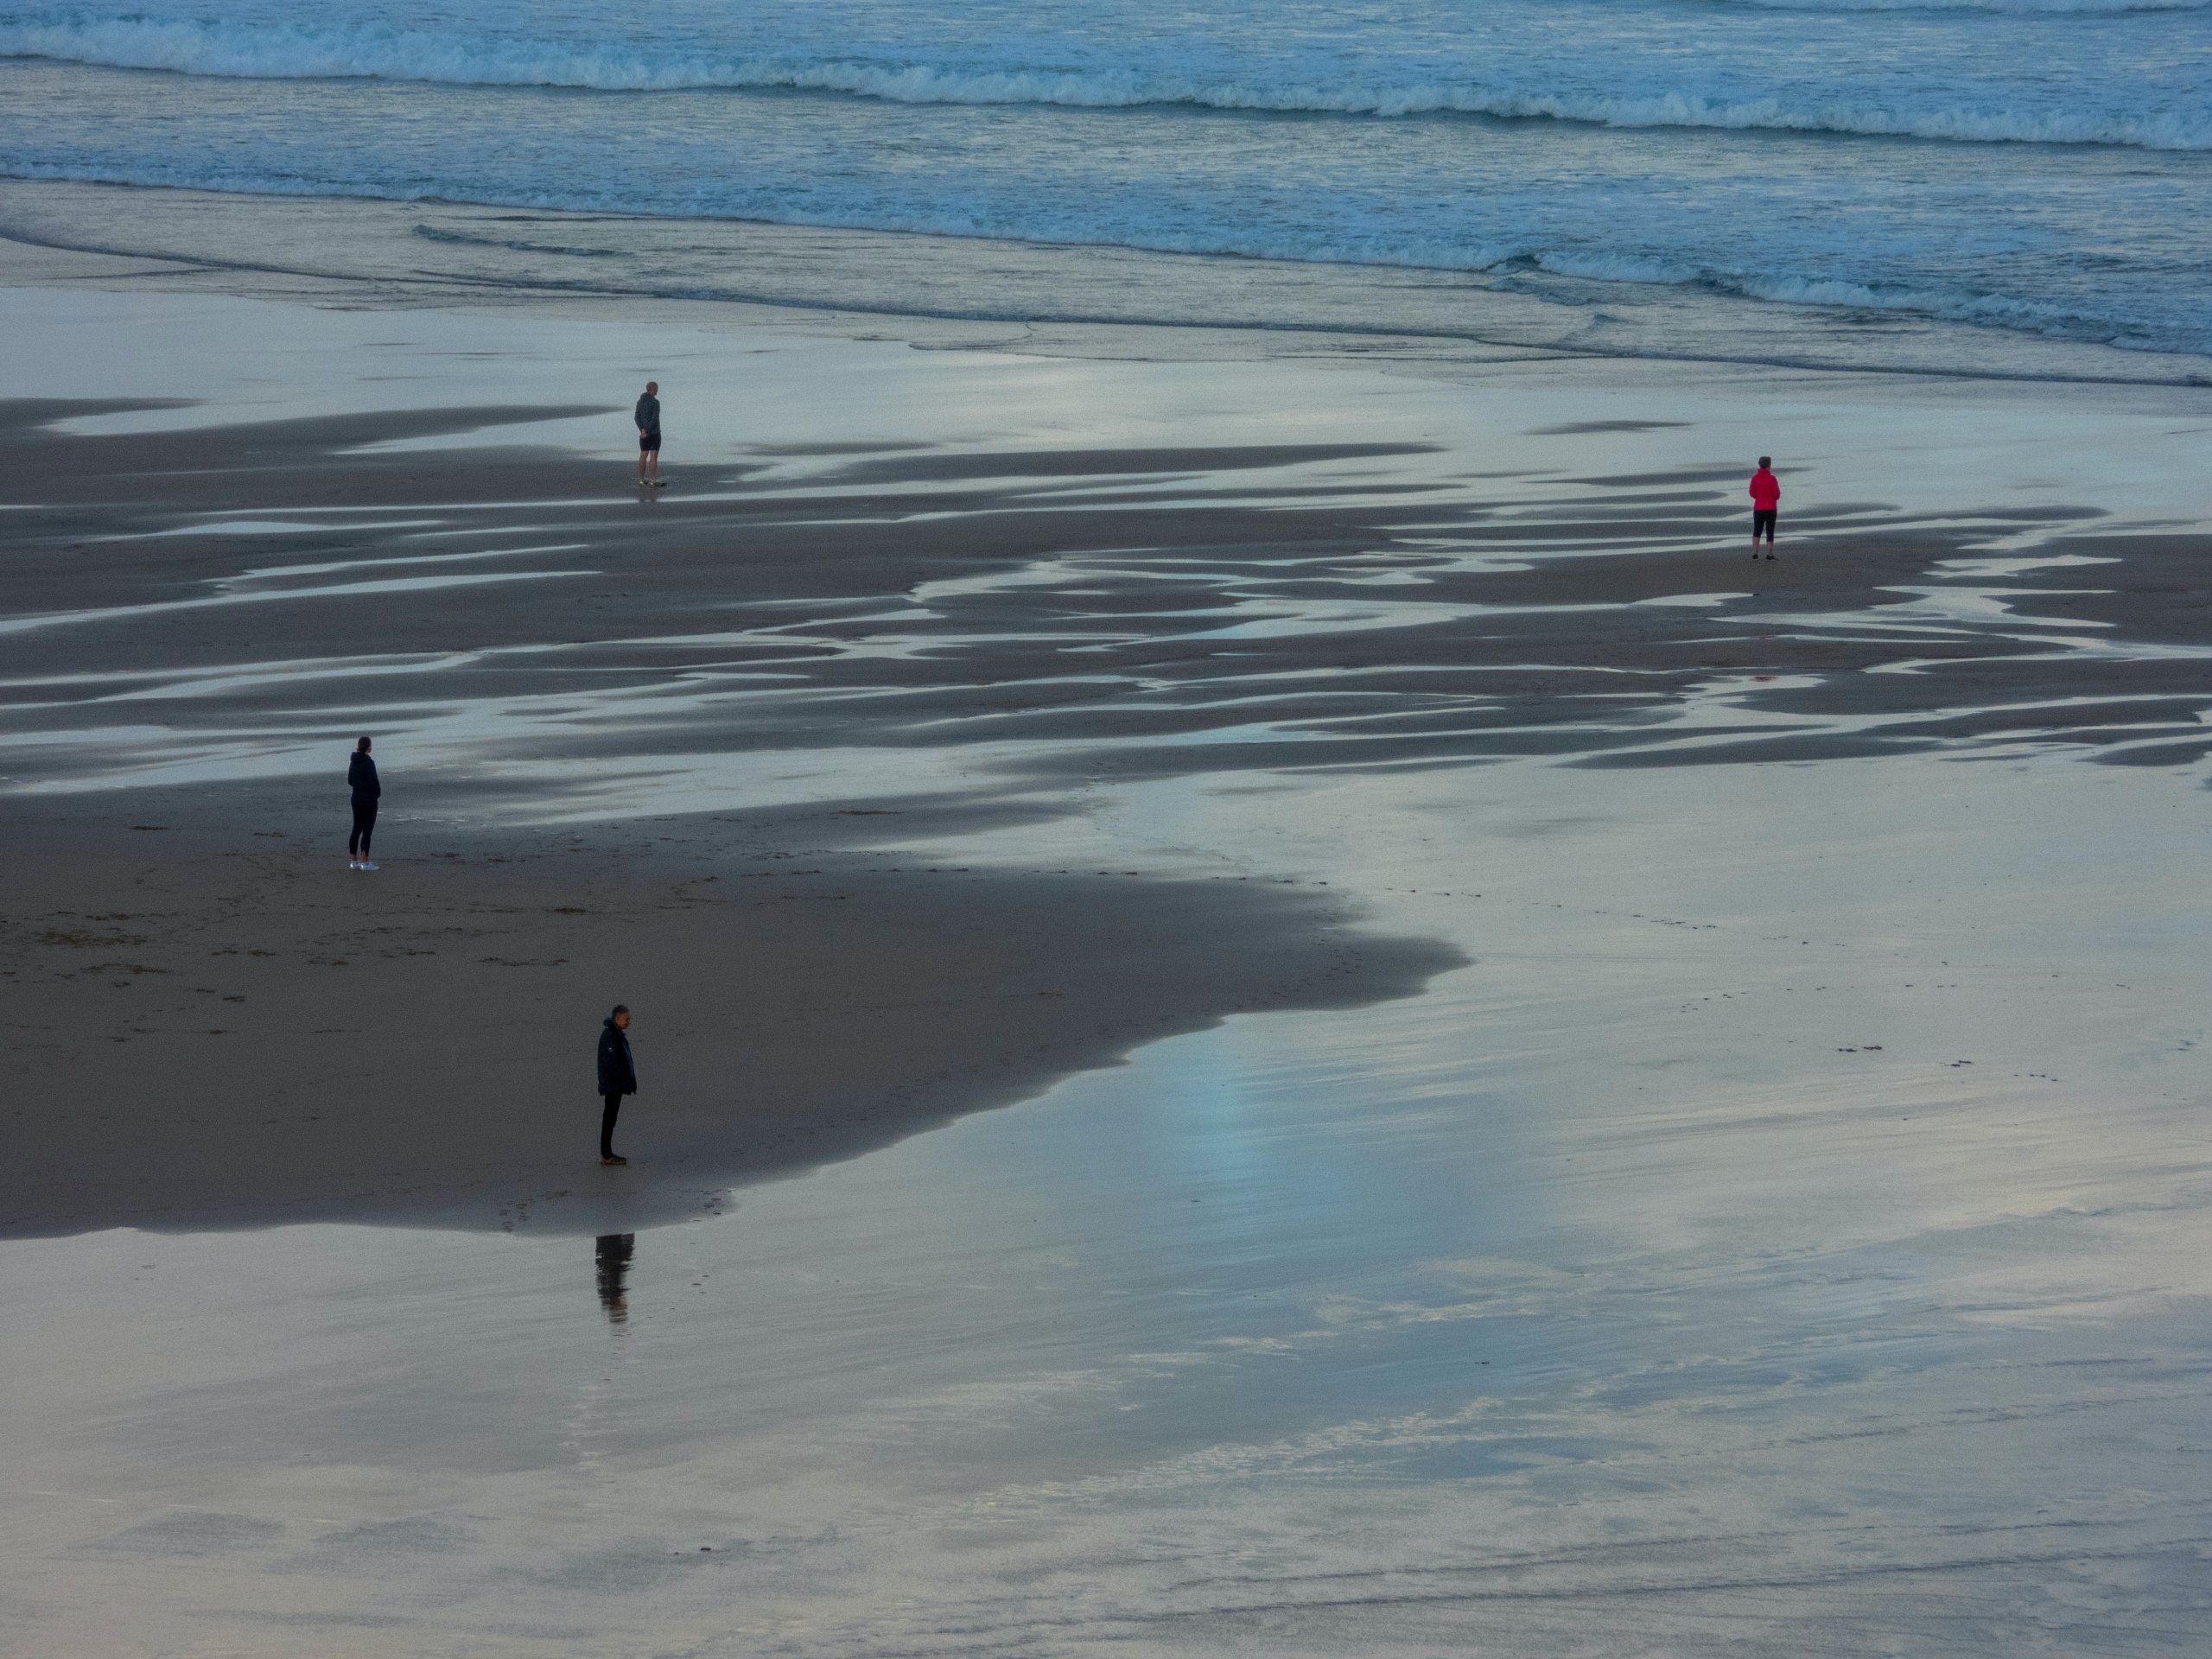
point(1284, 1005)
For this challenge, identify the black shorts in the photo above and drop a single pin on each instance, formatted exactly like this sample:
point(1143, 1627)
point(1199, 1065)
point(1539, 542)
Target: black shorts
point(648, 441)
point(1763, 519)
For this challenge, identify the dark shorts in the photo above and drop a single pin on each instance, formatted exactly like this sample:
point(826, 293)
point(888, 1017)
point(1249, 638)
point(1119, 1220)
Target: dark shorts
point(648, 441)
point(1763, 519)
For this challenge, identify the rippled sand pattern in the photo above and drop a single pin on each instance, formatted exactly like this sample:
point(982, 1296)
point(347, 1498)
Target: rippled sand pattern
point(1049, 613)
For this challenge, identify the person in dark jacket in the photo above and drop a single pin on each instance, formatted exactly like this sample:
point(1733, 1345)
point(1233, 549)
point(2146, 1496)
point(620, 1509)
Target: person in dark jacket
point(647, 415)
point(361, 778)
point(617, 1077)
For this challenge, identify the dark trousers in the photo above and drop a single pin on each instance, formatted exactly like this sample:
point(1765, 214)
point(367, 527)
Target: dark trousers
point(1763, 519)
point(364, 823)
point(607, 1125)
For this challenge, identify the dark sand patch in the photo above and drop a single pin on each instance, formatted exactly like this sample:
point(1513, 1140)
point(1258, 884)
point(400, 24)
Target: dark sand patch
point(284, 1040)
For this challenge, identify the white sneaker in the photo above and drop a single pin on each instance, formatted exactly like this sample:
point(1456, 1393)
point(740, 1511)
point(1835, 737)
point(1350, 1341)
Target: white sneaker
point(365, 865)
point(352, 863)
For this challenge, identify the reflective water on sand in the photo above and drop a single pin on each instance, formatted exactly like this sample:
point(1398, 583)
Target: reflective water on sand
point(1757, 1241)
point(1785, 1236)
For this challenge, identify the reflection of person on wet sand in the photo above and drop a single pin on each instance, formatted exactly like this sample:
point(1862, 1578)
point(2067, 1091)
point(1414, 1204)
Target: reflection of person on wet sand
point(614, 1253)
point(617, 1077)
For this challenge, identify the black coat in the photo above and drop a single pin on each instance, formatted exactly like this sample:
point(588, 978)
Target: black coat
point(361, 774)
point(617, 1075)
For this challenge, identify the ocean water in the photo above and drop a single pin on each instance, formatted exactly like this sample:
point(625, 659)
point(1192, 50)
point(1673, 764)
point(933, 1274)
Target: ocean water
point(2040, 167)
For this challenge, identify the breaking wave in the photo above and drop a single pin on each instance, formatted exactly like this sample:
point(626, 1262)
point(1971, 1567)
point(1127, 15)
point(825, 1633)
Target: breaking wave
point(378, 52)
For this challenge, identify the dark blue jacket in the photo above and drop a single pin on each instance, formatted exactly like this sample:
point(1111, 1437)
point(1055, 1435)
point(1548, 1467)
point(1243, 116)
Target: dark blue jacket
point(361, 773)
point(617, 1075)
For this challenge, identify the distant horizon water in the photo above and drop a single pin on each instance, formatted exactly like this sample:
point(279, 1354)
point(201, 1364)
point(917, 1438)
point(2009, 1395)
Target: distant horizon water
point(2037, 167)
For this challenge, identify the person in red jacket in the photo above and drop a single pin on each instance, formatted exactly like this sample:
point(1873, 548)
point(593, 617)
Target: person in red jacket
point(1766, 500)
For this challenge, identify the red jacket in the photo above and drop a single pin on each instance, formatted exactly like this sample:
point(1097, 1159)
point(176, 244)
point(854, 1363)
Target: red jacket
point(1766, 490)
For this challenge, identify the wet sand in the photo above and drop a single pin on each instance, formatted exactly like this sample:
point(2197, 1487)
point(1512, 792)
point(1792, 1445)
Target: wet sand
point(243, 1032)
point(287, 1040)
point(294, 1041)
point(1094, 599)
point(1680, 1133)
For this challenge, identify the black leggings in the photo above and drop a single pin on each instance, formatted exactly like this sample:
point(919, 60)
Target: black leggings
point(1763, 518)
point(364, 823)
point(607, 1125)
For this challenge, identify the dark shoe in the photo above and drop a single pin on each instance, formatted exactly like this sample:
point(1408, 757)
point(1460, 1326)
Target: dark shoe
point(1769, 556)
point(610, 1162)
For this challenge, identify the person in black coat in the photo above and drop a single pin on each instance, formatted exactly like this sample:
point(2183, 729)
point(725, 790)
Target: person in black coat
point(618, 1077)
point(647, 415)
point(361, 778)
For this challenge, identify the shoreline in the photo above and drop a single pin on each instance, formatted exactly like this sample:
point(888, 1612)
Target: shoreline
point(1072, 298)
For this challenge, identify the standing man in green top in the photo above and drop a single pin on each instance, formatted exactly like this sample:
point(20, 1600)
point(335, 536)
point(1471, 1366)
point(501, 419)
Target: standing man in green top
point(648, 419)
